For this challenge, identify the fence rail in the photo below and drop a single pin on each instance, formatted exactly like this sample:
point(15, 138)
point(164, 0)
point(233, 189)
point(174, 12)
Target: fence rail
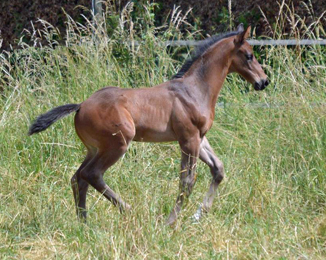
point(253, 105)
point(256, 42)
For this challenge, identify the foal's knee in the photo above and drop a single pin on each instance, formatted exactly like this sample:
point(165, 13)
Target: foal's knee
point(91, 176)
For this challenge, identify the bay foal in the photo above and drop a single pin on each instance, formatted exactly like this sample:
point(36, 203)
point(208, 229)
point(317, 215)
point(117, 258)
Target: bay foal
point(181, 110)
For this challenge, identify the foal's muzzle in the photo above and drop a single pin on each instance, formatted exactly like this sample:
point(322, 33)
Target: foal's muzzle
point(262, 84)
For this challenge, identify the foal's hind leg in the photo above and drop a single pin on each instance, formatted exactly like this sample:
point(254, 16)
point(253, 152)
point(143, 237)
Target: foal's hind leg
point(93, 173)
point(208, 156)
point(80, 187)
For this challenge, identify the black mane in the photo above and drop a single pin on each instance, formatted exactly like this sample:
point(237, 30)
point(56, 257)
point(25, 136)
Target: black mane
point(201, 48)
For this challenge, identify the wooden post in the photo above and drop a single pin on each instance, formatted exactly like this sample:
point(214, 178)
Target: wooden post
point(97, 20)
point(97, 8)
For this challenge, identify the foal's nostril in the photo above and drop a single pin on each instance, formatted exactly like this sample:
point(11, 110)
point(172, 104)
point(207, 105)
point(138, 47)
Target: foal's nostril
point(266, 82)
point(257, 86)
point(262, 84)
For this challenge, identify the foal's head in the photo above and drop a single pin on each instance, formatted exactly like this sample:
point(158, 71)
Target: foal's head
point(245, 63)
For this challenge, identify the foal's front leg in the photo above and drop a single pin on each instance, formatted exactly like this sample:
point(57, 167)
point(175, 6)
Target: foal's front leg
point(208, 156)
point(190, 151)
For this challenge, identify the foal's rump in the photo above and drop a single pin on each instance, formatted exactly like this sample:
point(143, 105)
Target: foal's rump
point(104, 121)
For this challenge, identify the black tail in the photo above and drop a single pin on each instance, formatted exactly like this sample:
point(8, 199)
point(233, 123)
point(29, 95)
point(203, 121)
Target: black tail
point(45, 120)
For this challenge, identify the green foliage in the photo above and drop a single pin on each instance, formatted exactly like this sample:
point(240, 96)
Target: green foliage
point(272, 143)
point(251, 15)
point(224, 16)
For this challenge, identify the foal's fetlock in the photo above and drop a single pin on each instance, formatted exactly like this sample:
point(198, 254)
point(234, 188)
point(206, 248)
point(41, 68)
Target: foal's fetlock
point(125, 208)
point(81, 215)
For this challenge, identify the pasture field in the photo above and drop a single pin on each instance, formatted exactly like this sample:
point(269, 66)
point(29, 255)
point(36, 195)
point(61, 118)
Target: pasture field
point(271, 205)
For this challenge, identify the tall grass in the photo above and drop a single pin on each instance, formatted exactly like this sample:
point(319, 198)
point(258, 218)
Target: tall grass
point(270, 206)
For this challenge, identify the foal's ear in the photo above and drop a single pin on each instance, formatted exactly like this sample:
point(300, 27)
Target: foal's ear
point(240, 28)
point(242, 35)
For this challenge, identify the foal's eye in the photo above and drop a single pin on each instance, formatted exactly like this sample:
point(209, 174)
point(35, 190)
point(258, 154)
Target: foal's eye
point(249, 56)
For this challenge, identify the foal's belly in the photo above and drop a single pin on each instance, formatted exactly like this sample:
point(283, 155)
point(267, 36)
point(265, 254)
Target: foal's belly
point(150, 135)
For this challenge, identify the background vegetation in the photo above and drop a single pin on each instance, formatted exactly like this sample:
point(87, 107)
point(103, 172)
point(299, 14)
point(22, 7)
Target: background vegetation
point(207, 16)
point(270, 206)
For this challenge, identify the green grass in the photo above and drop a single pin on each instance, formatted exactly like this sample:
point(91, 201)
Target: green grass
point(271, 205)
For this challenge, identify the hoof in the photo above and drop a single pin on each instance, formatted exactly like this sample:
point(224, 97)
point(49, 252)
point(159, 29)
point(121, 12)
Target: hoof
point(127, 207)
point(171, 220)
point(197, 216)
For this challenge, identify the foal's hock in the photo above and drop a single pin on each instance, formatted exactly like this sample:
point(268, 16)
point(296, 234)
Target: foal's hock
point(181, 110)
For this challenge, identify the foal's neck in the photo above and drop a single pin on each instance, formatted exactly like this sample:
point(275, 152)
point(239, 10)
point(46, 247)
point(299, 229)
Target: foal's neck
point(210, 71)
